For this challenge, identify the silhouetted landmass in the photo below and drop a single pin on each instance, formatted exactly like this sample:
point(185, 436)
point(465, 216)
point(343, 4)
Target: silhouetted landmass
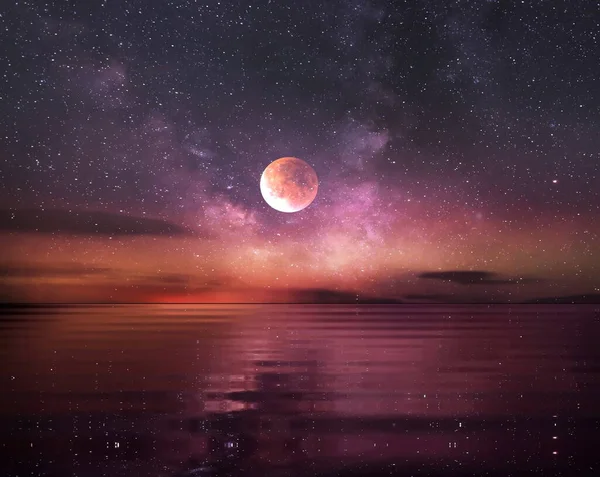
point(80, 222)
point(326, 296)
point(591, 299)
point(475, 277)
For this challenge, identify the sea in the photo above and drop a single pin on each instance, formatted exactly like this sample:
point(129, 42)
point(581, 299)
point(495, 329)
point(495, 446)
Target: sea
point(174, 390)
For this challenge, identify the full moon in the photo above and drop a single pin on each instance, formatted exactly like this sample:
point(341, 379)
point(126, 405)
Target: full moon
point(289, 184)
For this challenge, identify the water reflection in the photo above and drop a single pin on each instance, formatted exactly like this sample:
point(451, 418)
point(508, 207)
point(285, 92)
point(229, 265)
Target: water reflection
point(161, 390)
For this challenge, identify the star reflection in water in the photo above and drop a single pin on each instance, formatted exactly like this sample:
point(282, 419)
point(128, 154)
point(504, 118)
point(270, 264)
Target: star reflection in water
point(268, 432)
point(299, 390)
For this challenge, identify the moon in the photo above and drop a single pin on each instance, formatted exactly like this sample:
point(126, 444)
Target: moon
point(289, 184)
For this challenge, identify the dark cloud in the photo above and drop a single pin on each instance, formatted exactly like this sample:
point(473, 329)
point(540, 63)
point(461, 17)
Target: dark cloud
point(429, 297)
point(165, 280)
point(9, 293)
point(80, 222)
point(173, 279)
point(186, 284)
point(12, 270)
point(468, 277)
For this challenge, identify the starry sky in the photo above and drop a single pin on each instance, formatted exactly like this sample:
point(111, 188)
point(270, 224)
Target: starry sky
point(456, 145)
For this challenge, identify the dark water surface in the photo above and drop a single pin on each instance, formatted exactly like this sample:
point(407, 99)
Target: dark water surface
point(152, 390)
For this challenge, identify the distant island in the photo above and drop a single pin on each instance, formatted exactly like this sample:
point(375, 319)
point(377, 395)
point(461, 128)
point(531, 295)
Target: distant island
point(327, 296)
point(300, 296)
point(589, 299)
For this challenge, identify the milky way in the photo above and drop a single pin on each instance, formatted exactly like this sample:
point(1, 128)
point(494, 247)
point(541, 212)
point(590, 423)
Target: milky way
point(447, 137)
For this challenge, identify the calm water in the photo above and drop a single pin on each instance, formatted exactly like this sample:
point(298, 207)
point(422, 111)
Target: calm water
point(154, 390)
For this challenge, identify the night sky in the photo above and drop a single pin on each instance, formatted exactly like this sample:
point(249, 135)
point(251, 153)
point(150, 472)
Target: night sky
point(456, 145)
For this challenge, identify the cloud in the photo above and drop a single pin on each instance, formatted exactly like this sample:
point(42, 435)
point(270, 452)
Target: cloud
point(429, 297)
point(80, 222)
point(472, 277)
point(12, 270)
point(24, 282)
point(173, 280)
